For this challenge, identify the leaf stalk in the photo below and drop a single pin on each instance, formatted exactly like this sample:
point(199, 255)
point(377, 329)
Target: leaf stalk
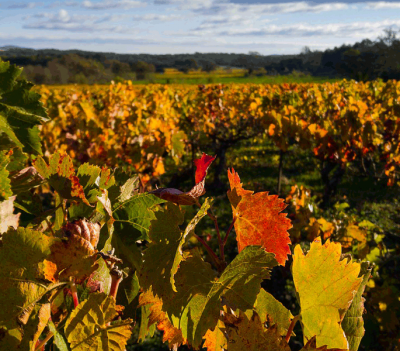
point(291, 327)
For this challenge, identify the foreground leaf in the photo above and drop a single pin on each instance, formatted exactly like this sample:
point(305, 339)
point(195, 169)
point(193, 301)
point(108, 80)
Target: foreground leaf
point(35, 326)
point(7, 216)
point(353, 323)
point(20, 111)
point(164, 254)
point(22, 254)
point(88, 328)
point(326, 286)
point(196, 306)
point(215, 340)
point(5, 182)
point(250, 334)
point(273, 312)
point(258, 219)
point(155, 314)
point(312, 346)
point(59, 339)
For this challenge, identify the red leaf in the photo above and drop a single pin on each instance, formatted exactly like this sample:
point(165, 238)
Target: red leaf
point(202, 165)
point(258, 219)
point(190, 197)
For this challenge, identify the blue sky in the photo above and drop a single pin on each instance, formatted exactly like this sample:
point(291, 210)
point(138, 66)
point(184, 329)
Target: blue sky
point(188, 26)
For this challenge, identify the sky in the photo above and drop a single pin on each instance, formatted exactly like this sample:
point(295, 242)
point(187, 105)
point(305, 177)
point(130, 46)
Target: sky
point(188, 26)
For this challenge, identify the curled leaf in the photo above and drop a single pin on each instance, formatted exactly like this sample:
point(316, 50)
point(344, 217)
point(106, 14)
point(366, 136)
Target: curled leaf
point(188, 198)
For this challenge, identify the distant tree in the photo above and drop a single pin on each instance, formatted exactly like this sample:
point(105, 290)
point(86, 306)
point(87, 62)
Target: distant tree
point(117, 67)
point(254, 53)
point(59, 73)
point(142, 69)
point(186, 65)
point(208, 66)
point(306, 50)
point(389, 37)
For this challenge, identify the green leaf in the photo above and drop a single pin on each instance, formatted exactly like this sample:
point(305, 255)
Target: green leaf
point(20, 112)
point(124, 188)
point(145, 329)
point(164, 254)
point(59, 339)
point(5, 182)
point(87, 175)
point(131, 287)
point(59, 217)
point(88, 328)
point(326, 286)
point(353, 323)
point(195, 307)
point(136, 213)
point(272, 311)
point(18, 160)
point(132, 222)
point(165, 236)
point(30, 203)
point(7, 216)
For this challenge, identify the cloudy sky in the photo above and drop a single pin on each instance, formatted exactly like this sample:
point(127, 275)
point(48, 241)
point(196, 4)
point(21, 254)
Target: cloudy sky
point(187, 26)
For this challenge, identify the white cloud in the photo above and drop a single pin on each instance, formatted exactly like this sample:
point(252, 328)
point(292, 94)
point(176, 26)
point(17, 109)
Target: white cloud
point(24, 5)
point(383, 5)
point(192, 4)
point(156, 17)
point(112, 4)
point(76, 23)
point(69, 3)
point(343, 30)
point(215, 22)
point(223, 8)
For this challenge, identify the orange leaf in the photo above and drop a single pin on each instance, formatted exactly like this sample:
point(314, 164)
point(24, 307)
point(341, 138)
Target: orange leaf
point(157, 315)
point(258, 220)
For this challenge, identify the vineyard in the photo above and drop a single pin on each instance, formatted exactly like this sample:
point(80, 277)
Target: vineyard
point(124, 223)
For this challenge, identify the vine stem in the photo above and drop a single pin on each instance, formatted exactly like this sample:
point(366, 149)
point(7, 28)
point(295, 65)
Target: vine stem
point(74, 291)
point(229, 230)
point(291, 327)
point(209, 250)
point(116, 278)
point(44, 341)
point(220, 242)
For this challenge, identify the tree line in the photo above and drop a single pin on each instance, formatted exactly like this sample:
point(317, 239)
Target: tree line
point(365, 60)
